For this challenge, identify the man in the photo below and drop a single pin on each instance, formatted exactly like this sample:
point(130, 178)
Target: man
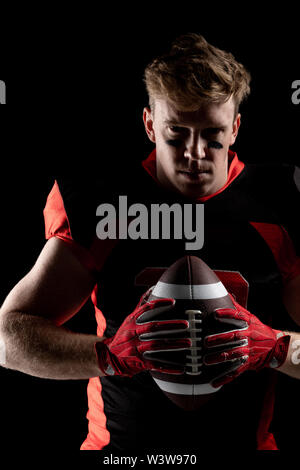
point(195, 91)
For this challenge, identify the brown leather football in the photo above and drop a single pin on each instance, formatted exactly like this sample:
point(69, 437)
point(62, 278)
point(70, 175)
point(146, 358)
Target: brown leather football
point(198, 292)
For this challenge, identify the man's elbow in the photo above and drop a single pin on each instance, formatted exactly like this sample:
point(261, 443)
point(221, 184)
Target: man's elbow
point(15, 333)
point(8, 330)
point(10, 323)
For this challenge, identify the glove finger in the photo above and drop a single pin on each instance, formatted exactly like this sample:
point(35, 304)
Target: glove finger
point(175, 356)
point(231, 316)
point(161, 328)
point(164, 345)
point(224, 356)
point(237, 368)
point(152, 309)
point(145, 296)
point(229, 338)
point(167, 369)
point(133, 366)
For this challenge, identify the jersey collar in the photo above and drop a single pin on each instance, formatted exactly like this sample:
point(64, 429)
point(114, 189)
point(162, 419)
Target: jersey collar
point(235, 168)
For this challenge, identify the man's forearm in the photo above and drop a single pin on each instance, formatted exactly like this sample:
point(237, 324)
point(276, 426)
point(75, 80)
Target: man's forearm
point(291, 366)
point(37, 347)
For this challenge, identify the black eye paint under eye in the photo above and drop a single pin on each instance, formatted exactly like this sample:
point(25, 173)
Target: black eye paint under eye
point(174, 142)
point(177, 143)
point(214, 145)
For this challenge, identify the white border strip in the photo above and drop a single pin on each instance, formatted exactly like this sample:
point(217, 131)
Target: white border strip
point(181, 291)
point(186, 389)
point(297, 177)
point(2, 353)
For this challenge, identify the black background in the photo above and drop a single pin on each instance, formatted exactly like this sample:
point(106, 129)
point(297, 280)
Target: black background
point(75, 98)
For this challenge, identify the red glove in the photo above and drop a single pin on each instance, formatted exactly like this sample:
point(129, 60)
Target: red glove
point(248, 345)
point(138, 346)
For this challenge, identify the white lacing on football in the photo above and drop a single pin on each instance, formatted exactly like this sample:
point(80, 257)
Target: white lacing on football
point(194, 359)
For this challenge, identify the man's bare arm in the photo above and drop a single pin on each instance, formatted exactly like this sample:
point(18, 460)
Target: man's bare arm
point(32, 338)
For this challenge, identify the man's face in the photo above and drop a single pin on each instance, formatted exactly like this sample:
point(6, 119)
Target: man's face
point(192, 147)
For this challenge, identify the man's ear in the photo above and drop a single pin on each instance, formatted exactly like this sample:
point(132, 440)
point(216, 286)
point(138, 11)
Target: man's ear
point(235, 129)
point(148, 123)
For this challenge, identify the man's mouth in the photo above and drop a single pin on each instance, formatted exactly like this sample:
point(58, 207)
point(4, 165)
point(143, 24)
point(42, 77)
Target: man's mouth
point(194, 171)
point(194, 174)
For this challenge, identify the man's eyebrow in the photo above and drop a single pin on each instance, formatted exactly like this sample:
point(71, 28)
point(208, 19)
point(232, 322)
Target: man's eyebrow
point(216, 127)
point(210, 126)
point(172, 121)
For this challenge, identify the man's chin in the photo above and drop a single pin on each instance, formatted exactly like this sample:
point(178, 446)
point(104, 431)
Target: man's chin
point(194, 191)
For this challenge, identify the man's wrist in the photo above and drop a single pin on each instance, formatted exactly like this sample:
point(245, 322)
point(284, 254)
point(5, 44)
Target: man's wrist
point(101, 354)
point(280, 351)
point(108, 363)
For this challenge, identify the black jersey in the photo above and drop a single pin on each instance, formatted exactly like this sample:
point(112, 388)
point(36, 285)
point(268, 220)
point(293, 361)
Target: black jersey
point(249, 228)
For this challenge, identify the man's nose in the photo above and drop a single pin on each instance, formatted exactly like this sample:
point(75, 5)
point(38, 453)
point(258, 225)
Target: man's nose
point(195, 148)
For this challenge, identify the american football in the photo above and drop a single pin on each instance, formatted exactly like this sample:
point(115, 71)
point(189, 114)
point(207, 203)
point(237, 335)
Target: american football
point(198, 292)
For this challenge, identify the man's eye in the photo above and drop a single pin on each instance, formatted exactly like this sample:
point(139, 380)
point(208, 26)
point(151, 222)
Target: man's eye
point(175, 129)
point(213, 131)
point(214, 145)
point(174, 142)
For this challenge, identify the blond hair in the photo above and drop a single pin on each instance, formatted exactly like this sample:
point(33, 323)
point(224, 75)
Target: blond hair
point(194, 71)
